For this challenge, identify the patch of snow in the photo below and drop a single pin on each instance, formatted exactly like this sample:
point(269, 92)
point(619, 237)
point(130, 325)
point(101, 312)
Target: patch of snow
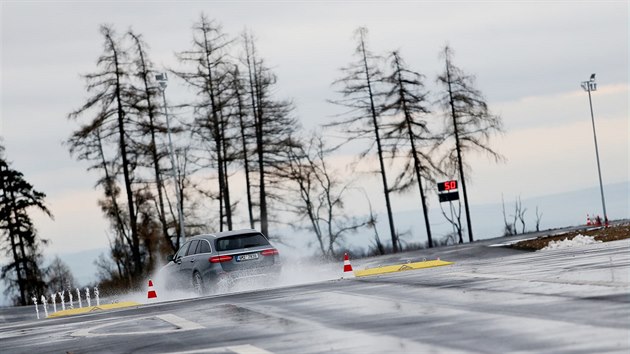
point(578, 240)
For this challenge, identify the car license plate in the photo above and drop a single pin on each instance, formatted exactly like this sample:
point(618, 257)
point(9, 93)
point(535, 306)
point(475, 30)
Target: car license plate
point(246, 257)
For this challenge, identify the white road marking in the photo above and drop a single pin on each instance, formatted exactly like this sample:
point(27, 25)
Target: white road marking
point(248, 349)
point(238, 349)
point(180, 323)
point(486, 276)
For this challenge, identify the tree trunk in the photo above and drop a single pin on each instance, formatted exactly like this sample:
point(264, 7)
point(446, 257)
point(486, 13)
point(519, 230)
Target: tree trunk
point(416, 161)
point(18, 270)
point(254, 82)
point(216, 132)
point(245, 152)
point(125, 164)
point(108, 181)
point(15, 232)
point(28, 276)
point(226, 184)
point(392, 230)
point(153, 146)
point(264, 226)
point(16, 258)
point(459, 152)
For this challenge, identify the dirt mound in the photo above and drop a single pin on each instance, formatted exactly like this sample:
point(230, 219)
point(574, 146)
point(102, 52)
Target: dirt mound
point(604, 234)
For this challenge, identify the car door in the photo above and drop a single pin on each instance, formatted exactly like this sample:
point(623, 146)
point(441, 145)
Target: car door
point(173, 269)
point(188, 261)
point(202, 255)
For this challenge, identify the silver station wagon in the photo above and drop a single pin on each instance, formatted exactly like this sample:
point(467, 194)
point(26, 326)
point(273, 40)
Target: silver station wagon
point(208, 261)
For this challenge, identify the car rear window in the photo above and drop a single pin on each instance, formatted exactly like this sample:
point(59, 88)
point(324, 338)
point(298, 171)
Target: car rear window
point(241, 241)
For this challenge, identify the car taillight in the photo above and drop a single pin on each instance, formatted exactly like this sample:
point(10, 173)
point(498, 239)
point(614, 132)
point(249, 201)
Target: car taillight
point(220, 259)
point(270, 252)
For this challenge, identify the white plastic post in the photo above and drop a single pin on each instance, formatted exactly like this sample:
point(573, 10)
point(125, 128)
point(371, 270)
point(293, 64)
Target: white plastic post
point(96, 294)
point(36, 309)
point(45, 303)
point(87, 296)
point(53, 298)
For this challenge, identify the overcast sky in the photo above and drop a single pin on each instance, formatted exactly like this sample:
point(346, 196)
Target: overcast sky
point(529, 59)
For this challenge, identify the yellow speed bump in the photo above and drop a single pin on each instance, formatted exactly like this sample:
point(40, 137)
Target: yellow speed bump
point(87, 309)
point(400, 268)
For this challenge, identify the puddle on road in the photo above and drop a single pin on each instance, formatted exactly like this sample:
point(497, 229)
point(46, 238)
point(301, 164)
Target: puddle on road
point(244, 315)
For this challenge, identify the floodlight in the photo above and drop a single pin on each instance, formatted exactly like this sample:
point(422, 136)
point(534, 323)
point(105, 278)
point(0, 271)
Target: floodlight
point(590, 86)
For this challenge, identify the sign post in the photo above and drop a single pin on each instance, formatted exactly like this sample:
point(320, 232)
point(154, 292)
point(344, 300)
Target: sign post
point(447, 192)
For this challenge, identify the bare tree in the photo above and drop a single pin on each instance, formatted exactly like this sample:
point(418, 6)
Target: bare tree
point(454, 217)
point(210, 77)
point(109, 111)
point(321, 195)
point(357, 87)
point(468, 122)
point(509, 227)
point(245, 126)
point(144, 104)
point(87, 144)
point(59, 276)
point(538, 219)
point(406, 103)
point(371, 223)
point(519, 213)
point(274, 127)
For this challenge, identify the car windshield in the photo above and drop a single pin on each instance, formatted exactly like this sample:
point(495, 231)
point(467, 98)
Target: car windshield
point(241, 241)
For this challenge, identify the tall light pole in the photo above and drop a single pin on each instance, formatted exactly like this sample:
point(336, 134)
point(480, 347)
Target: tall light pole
point(162, 79)
point(589, 86)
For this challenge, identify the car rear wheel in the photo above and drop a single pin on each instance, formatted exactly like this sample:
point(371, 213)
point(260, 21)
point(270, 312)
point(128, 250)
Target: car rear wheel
point(198, 283)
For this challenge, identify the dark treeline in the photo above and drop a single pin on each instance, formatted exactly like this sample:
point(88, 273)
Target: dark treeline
point(25, 274)
point(232, 125)
point(240, 157)
point(234, 134)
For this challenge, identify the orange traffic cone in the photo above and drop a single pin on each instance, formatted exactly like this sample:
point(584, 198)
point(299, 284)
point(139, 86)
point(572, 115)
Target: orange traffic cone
point(347, 267)
point(588, 220)
point(151, 294)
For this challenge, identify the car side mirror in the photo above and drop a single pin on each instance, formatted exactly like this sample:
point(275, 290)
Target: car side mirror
point(169, 258)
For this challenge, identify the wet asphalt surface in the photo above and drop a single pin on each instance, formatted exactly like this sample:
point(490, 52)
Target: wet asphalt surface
point(492, 300)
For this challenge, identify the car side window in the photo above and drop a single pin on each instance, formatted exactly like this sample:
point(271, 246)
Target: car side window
point(192, 248)
point(182, 251)
point(204, 247)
